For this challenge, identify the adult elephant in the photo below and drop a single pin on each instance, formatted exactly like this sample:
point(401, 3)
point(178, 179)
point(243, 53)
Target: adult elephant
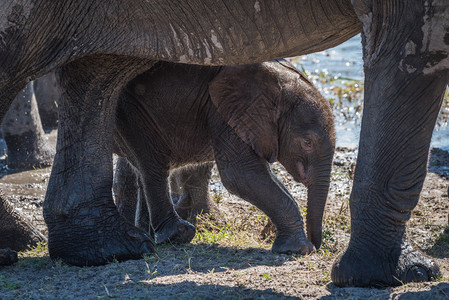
point(103, 44)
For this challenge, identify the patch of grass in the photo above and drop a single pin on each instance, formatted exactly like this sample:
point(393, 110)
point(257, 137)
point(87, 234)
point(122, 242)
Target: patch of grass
point(232, 232)
point(187, 259)
point(37, 257)
point(327, 278)
point(444, 237)
point(329, 244)
point(151, 258)
point(151, 262)
point(36, 262)
point(217, 198)
point(441, 279)
point(8, 285)
point(151, 270)
point(340, 221)
point(209, 232)
point(440, 247)
point(40, 250)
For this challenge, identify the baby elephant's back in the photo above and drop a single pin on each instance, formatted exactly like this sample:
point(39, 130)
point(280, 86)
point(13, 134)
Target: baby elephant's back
point(173, 101)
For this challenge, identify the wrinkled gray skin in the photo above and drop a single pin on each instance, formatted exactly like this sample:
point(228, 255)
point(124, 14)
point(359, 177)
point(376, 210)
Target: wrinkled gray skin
point(242, 117)
point(127, 191)
point(189, 192)
point(17, 232)
point(24, 135)
point(104, 44)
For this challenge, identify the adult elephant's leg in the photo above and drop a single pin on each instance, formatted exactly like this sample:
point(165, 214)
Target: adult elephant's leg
point(7, 213)
point(17, 232)
point(23, 133)
point(189, 187)
point(84, 225)
point(405, 79)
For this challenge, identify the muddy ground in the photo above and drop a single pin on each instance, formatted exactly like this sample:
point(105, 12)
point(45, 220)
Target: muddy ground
point(230, 256)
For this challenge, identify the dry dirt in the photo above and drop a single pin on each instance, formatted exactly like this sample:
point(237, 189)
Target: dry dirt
point(230, 257)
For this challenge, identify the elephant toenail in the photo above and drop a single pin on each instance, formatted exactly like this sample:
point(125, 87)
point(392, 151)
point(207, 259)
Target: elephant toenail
point(416, 274)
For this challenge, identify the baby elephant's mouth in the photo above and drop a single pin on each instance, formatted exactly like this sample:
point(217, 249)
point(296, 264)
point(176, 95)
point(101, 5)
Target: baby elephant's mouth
point(304, 177)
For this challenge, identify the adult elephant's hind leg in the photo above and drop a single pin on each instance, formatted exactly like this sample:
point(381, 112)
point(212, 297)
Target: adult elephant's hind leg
point(24, 135)
point(84, 225)
point(189, 188)
point(405, 80)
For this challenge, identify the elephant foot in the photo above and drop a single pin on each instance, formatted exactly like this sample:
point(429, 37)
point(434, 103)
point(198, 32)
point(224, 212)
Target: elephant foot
point(174, 230)
point(24, 152)
point(380, 267)
point(8, 257)
point(291, 243)
point(96, 238)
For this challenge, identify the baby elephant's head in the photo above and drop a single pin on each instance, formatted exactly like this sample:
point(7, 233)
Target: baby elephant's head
point(282, 116)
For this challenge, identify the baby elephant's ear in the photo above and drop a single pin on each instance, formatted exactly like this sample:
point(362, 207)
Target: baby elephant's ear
point(248, 98)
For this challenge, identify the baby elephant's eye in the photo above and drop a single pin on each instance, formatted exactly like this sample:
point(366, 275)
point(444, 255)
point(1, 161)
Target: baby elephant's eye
point(306, 144)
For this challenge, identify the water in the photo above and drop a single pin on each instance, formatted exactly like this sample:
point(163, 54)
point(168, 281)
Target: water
point(345, 61)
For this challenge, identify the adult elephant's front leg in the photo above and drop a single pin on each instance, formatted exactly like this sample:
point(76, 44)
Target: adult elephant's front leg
point(405, 79)
point(84, 225)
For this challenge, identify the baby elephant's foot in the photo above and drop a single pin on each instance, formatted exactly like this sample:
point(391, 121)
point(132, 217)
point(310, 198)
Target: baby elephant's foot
point(292, 243)
point(174, 230)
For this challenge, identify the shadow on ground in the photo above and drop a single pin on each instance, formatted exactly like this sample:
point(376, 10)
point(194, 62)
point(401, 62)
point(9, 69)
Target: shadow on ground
point(439, 291)
point(191, 290)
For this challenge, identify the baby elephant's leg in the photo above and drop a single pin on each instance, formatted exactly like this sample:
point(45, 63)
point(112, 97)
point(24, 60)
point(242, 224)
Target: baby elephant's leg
point(167, 225)
point(248, 176)
point(148, 153)
point(189, 189)
point(142, 197)
point(128, 195)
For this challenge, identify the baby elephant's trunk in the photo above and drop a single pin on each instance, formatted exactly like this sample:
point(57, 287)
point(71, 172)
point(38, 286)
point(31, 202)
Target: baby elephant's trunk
point(316, 202)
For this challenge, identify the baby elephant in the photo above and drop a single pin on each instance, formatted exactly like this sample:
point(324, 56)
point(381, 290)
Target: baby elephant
point(243, 117)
